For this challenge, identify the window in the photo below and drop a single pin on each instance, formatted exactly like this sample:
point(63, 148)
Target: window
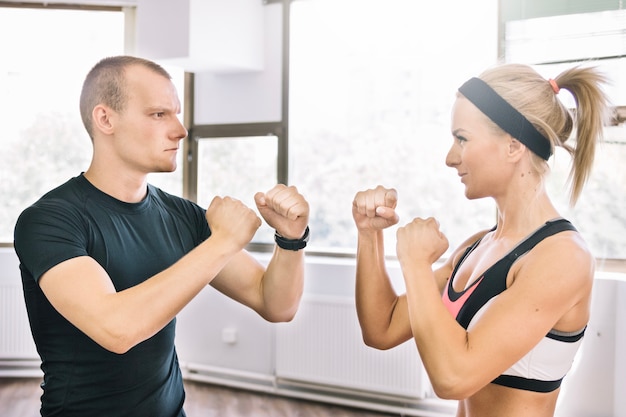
point(237, 167)
point(46, 54)
point(44, 142)
point(371, 90)
point(593, 39)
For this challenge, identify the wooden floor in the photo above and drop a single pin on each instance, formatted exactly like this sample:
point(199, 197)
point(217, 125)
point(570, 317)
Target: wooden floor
point(19, 397)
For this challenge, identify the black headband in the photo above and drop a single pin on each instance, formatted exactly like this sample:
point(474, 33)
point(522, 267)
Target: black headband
point(506, 116)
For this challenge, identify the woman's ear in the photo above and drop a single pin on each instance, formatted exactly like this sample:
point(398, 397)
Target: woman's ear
point(102, 119)
point(516, 148)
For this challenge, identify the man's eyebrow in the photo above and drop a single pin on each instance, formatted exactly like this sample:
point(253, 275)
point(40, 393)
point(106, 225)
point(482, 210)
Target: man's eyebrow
point(161, 109)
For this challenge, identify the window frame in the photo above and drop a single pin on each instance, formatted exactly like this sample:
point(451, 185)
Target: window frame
point(199, 133)
point(60, 6)
point(279, 129)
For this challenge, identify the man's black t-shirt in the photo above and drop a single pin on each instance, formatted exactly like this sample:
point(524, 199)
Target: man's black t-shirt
point(132, 242)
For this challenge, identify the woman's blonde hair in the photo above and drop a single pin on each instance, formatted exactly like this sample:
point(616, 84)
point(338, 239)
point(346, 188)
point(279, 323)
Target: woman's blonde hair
point(536, 98)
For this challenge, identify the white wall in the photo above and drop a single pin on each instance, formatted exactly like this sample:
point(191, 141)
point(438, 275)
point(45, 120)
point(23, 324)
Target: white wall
point(18, 356)
point(245, 97)
point(236, 55)
point(596, 384)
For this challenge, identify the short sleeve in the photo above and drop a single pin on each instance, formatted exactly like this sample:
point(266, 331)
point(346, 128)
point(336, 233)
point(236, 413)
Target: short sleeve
point(47, 234)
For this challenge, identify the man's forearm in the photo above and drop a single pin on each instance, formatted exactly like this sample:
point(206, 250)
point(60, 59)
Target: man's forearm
point(283, 284)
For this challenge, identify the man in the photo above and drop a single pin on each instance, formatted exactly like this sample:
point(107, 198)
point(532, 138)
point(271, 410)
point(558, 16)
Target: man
point(108, 260)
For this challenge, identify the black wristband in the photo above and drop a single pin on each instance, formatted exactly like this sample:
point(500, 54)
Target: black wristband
point(292, 244)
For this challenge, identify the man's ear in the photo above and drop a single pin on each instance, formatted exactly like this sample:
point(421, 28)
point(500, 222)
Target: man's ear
point(102, 119)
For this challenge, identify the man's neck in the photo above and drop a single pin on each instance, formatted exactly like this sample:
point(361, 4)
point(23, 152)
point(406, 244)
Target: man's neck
point(122, 186)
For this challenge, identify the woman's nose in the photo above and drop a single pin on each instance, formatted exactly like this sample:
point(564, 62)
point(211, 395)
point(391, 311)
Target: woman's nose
point(452, 157)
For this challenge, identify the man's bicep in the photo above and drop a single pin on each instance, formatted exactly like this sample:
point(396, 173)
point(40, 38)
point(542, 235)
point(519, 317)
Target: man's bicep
point(76, 289)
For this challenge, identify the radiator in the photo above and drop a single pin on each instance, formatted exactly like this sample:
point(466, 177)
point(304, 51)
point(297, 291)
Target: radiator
point(323, 345)
point(16, 342)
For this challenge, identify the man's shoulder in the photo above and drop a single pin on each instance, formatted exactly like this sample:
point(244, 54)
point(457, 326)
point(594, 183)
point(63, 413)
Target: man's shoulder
point(172, 200)
point(68, 191)
point(61, 201)
point(65, 197)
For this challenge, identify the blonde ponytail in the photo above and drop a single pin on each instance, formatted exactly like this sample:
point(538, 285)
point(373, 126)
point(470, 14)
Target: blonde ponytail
point(536, 98)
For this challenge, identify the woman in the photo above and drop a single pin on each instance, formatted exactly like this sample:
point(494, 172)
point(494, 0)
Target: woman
point(497, 325)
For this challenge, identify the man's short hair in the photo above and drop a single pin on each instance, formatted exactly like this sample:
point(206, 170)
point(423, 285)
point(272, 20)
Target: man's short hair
point(106, 84)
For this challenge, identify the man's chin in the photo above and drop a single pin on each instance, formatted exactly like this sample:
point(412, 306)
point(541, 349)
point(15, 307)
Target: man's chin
point(163, 170)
